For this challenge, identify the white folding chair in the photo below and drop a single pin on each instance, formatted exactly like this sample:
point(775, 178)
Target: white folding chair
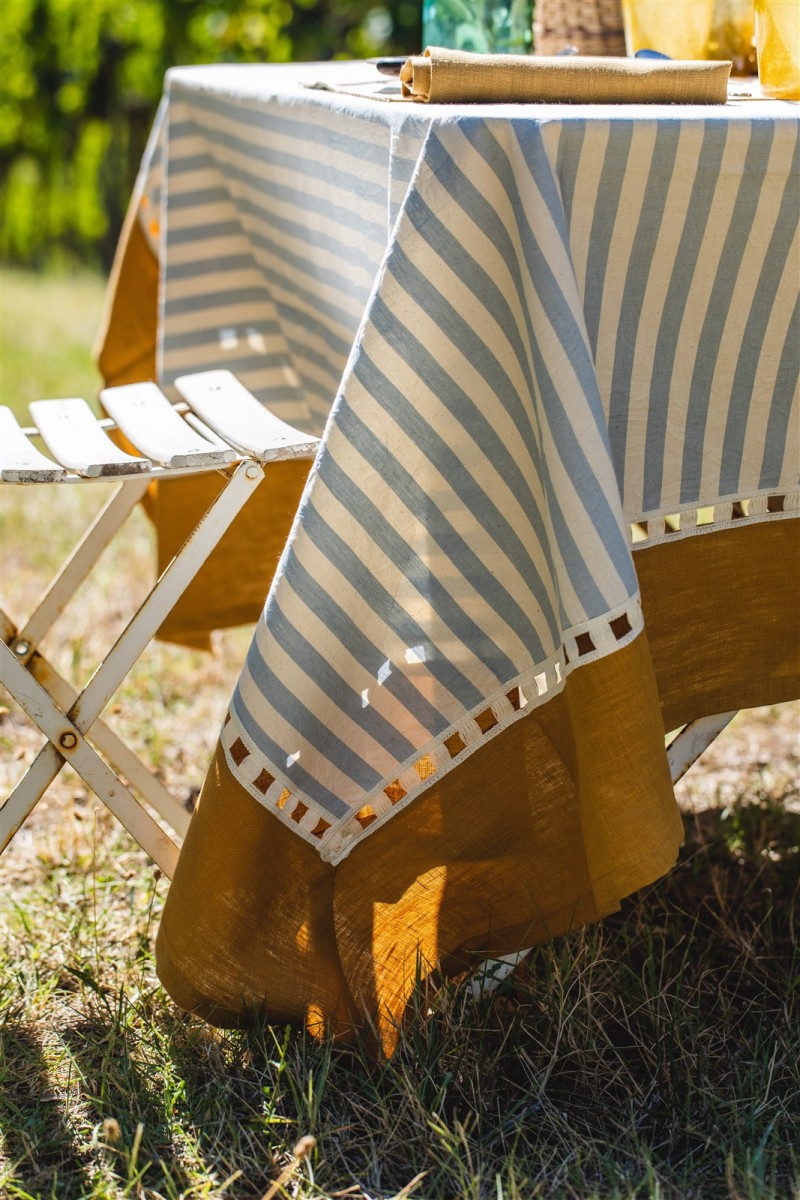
point(220, 427)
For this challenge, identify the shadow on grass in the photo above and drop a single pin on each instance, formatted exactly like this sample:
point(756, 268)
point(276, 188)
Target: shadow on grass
point(39, 1141)
point(680, 1049)
point(654, 1054)
point(123, 1099)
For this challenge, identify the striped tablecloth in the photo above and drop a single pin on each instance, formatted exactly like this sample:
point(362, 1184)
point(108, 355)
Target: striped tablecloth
point(540, 343)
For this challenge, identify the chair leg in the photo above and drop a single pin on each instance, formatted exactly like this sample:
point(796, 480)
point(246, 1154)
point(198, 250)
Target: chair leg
point(166, 593)
point(106, 679)
point(79, 564)
point(120, 756)
point(66, 743)
point(693, 740)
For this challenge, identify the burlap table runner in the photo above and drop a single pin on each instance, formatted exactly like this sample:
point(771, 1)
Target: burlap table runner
point(441, 76)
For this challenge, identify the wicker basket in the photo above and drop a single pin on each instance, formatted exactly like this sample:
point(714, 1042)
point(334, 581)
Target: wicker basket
point(594, 26)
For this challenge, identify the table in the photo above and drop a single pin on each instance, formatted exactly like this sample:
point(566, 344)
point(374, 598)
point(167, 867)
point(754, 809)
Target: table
point(552, 353)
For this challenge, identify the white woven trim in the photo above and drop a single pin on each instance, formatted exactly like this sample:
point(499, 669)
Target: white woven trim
point(672, 524)
point(334, 839)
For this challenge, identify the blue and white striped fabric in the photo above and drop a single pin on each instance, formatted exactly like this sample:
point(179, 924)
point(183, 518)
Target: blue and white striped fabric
point(522, 330)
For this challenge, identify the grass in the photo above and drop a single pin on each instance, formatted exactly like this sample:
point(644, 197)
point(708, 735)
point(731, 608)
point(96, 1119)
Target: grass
point(655, 1054)
point(45, 335)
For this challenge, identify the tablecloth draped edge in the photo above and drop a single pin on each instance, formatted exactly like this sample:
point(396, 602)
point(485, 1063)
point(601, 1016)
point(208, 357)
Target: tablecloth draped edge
point(301, 813)
point(348, 1020)
point(334, 839)
point(709, 654)
point(269, 968)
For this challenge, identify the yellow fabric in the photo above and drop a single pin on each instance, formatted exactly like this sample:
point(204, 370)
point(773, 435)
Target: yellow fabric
point(232, 585)
point(722, 613)
point(523, 843)
point(544, 828)
point(253, 930)
point(442, 76)
point(126, 343)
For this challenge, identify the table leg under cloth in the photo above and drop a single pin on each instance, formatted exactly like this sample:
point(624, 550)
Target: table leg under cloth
point(541, 831)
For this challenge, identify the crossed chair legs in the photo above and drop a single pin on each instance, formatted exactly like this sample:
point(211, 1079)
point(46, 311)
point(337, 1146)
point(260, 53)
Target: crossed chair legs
point(71, 721)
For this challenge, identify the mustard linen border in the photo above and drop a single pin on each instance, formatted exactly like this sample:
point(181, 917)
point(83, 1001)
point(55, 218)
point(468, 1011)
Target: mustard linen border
point(545, 828)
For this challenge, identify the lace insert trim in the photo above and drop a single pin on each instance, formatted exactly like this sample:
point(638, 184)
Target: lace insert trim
point(668, 526)
point(336, 838)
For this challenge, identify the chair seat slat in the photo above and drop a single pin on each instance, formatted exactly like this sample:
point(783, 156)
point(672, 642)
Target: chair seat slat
point(232, 412)
point(20, 461)
point(150, 422)
point(201, 427)
point(74, 437)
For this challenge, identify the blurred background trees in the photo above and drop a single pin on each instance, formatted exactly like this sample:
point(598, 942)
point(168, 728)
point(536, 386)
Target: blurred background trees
point(80, 81)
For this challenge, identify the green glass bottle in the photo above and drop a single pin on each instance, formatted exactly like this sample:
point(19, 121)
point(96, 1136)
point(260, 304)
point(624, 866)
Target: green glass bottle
point(483, 26)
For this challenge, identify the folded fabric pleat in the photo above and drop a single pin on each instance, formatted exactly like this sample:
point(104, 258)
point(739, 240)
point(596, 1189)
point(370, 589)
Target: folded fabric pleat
point(441, 76)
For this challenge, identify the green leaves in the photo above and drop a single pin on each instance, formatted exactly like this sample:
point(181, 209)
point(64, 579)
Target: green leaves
point(80, 82)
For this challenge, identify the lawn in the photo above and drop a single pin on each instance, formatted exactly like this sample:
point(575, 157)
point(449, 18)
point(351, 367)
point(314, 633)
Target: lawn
point(46, 334)
point(655, 1054)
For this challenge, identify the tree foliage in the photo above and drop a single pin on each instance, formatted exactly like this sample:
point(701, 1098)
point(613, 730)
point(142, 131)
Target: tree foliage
point(80, 81)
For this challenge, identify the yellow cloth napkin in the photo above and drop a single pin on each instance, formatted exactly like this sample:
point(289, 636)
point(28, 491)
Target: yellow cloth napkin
point(442, 76)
